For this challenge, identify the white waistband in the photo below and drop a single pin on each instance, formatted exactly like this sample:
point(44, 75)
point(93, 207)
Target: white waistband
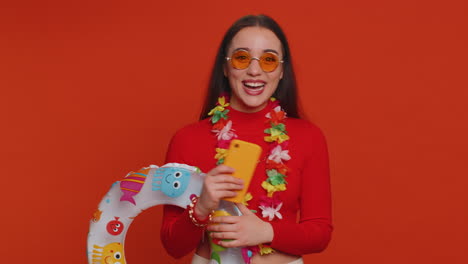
point(201, 260)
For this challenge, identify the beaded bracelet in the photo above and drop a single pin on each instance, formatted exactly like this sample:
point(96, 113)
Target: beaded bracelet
point(195, 220)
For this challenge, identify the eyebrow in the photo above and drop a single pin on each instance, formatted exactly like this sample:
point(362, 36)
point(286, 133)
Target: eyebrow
point(271, 50)
point(265, 50)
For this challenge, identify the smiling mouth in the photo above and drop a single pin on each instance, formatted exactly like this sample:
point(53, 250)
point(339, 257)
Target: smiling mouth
point(253, 85)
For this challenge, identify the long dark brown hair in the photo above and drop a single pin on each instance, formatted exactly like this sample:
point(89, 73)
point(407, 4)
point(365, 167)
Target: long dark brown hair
point(286, 91)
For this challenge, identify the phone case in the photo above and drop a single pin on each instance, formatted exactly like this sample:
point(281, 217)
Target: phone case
point(243, 157)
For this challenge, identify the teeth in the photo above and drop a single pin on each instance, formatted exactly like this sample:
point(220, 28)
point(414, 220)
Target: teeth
point(254, 85)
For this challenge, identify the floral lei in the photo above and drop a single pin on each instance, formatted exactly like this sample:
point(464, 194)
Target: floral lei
point(276, 170)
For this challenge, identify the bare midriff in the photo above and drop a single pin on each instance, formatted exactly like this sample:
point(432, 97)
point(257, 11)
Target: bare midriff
point(203, 250)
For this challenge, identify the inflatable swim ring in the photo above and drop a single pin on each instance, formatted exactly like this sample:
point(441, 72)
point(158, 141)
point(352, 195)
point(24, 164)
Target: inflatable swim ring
point(172, 183)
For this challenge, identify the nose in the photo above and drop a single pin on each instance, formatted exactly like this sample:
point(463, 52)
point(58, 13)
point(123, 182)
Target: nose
point(254, 67)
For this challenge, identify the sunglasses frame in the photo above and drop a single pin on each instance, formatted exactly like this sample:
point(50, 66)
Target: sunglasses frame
point(254, 58)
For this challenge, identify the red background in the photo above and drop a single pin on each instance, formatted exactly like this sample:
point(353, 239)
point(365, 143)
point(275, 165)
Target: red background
point(93, 89)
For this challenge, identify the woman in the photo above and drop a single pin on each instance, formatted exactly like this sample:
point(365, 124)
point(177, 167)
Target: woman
point(287, 212)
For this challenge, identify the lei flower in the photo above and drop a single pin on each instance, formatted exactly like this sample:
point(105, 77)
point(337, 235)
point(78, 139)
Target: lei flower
point(219, 112)
point(226, 133)
point(265, 250)
point(276, 170)
point(280, 167)
point(276, 116)
point(270, 207)
point(221, 153)
point(248, 252)
point(278, 154)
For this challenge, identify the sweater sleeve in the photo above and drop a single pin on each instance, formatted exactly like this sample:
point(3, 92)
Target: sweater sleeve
point(313, 231)
point(178, 234)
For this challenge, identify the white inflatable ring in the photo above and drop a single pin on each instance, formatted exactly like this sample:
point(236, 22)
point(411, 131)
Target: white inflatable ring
point(171, 183)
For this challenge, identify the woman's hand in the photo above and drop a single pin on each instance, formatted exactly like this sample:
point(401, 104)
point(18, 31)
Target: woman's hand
point(218, 184)
point(244, 230)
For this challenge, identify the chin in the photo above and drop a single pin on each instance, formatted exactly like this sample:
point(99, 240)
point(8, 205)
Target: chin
point(251, 104)
point(256, 102)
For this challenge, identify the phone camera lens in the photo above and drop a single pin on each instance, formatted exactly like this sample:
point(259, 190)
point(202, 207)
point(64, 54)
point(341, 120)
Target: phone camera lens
point(236, 145)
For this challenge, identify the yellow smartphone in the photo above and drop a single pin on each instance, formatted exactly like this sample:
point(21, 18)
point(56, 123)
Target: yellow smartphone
point(243, 158)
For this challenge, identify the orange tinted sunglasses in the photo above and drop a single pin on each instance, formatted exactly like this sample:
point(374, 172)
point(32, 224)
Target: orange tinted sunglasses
point(241, 60)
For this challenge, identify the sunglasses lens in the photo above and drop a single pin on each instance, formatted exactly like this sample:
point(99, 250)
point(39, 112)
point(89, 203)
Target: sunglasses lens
point(240, 59)
point(269, 62)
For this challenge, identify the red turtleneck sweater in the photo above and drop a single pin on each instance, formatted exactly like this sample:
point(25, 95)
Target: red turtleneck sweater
point(306, 225)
